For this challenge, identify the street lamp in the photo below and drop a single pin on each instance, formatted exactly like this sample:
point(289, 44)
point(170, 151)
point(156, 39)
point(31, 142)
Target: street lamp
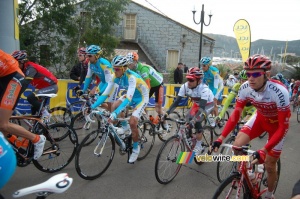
point(201, 30)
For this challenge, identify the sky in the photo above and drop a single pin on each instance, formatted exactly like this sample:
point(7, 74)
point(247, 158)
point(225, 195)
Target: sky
point(268, 19)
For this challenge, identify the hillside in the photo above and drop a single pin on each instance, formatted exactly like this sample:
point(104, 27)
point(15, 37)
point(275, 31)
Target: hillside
point(227, 46)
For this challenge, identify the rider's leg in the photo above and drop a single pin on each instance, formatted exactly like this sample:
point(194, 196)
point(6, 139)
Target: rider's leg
point(270, 165)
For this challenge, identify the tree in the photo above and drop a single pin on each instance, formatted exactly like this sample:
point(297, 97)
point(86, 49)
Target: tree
point(51, 31)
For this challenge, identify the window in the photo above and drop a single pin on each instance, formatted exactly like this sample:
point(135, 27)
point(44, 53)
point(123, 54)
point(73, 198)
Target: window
point(130, 26)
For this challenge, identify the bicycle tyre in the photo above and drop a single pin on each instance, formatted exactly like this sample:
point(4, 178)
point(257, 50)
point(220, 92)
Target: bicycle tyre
point(177, 146)
point(146, 138)
point(172, 127)
point(58, 154)
point(88, 165)
point(222, 171)
point(207, 140)
point(232, 180)
point(298, 114)
point(60, 114)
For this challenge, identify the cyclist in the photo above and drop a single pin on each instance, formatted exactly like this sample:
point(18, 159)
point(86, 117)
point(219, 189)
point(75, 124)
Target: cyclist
point(137, 96)
point(248, 110)
point(10, 87)
point(271, 100)
point(153, 79)
point(100, 67)
point(202, 98)
point(283, 80)
point(213, 79)
point(39, 77)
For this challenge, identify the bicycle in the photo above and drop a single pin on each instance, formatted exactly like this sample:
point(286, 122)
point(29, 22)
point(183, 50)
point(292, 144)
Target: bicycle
point(224, 169)
point(240, 181)
point(166, 166)
point(60, 146)
point(96, 151)
point(185, 110)
point(56, 184)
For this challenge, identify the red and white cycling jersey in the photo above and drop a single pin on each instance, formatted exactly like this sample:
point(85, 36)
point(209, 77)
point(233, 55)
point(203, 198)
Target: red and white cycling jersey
point(272, 105)
point(200, 92)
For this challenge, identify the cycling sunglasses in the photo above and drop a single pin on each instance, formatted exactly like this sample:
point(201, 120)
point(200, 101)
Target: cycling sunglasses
point(117, 69)
point(89, 55)
point(255, 75)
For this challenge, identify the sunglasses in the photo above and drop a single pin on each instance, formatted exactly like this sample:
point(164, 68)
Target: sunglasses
point(89, 55)
point(190, 80)
point(255, 75)
point(117, 69)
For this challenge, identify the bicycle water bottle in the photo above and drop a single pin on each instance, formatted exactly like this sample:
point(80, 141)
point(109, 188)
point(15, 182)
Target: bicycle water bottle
point(151, 118)
point(14, 140)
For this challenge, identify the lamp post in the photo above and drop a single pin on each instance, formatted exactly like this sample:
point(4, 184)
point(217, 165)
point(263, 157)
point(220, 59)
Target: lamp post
point(201, 30)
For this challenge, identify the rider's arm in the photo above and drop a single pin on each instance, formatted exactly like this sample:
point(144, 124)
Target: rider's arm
point(73, 73)
point(108, 91)
point(229, 99)
point(129, 94)
point(145, 75)
point(283, 126)
point(29, 75)
point(220, 85)
point(88, 79)
point(202, 104)
point(234, 118)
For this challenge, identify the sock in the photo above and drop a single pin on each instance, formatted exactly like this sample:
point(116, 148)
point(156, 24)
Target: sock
point(36, 139)
point(268, 194)
point(135, 145)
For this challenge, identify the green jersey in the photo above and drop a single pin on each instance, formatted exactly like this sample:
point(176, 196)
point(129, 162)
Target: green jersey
point(147, 72)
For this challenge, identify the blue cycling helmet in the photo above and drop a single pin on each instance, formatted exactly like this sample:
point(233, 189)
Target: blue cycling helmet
point(205, 60)
point(279, 76)
point(93, 50)
point(120, 61)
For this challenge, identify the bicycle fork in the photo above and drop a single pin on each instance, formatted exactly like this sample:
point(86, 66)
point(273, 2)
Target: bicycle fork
point(103, 141)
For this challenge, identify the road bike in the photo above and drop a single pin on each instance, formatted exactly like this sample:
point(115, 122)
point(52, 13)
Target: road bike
point(239, 184)
point(60, 146)
point(166, 164)
point(96, 151)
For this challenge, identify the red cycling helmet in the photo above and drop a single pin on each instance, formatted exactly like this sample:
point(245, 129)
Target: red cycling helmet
point(194, 73)
point(81, 51)
point(258, 62)
point(20, 55)
point(297, 83)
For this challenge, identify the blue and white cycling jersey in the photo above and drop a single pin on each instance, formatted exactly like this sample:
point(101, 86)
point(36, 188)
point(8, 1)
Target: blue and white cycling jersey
point(137, 94)
point(103, 69)
point(214, 81)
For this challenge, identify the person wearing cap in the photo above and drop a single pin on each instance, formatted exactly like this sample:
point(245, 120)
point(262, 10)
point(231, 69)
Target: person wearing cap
point(78, 71)
point(231, 81)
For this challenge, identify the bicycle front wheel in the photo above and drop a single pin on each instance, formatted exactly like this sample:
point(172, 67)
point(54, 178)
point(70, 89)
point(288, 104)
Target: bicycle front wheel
point(58, 152)
point(220, 127)
point(146, 138)
point(229, 188)
point(166, 167)
point(93, 159)
point(60, 115)
point(207, 139)
point(224, 169)
point(298, 114)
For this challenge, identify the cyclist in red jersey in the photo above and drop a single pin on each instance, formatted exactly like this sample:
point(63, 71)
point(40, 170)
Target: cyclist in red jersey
point(271, 100)
point(10, 87)
point(39, 77)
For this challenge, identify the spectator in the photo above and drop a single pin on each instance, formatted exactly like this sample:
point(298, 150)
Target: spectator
point(185, 68)
point(231, 81)
point(178, 74)
point(236, 76)
point(79, 70)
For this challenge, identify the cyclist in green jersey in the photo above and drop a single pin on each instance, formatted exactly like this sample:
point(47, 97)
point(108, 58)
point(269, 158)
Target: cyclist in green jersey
point(153, 79)
point(248, 109)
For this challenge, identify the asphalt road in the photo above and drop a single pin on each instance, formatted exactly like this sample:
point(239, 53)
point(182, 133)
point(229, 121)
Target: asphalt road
point(123, 180)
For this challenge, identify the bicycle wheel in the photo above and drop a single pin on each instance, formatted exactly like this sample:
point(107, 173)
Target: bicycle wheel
point(220, 127)
point(207, 139)
point(60, 115)
point(224, 169)
point(146, 138)
point(58, 152)
point(77, 123)
point(166, 167)
point(93, 159)
point(172, 127)
point(298, 114)
point(229, 188)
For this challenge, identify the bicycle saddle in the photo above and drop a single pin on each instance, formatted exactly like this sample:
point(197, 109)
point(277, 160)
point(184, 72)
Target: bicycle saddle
point(56, 184)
